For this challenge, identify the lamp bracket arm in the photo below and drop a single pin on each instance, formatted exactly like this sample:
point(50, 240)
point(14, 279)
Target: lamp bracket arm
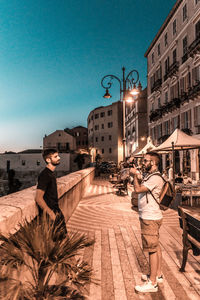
point(107, 84)
point(130, 79)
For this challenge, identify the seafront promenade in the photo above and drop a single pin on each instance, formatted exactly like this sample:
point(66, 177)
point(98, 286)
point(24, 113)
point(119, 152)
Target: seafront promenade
point(117, 257)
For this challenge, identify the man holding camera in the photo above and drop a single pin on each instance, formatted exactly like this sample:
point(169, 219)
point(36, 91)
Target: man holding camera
point(150, 219)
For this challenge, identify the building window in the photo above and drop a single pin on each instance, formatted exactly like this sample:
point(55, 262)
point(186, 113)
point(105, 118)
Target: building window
point(96, 127)
point(174, 56)
point(110, 150)
point(38, 163)
point(102, 126)
point(110, 124)
point(184, 12)
point(96, 116)
point(102, 114)
point(197, 30)
point(174, 27)
point(185, 45)
point(110, 137)
point(166, 39)
point(91, 117)
point(110, 112)
point(152, 58)
point(23, 162)
point(67, 146)
point(166, 65)
point(166, 97)
point(102, 151)
point(196, 2)
point(152, 106)
point(158, 49)
point(102, 138)
point(96, 139)
point(59, 134)
point(159, 103)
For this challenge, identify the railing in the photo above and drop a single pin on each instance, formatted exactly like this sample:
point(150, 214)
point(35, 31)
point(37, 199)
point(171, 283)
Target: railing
point(156, 85)
point(173, 69)
point(166, 108)
point(18, 206)
point(194, 91)
point(185, 57)
point(194, 47)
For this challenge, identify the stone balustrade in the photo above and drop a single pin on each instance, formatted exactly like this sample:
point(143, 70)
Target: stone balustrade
point(16, 207)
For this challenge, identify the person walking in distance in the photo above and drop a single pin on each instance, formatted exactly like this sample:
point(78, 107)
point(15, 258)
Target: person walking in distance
point(46, 193)
point(150, 217)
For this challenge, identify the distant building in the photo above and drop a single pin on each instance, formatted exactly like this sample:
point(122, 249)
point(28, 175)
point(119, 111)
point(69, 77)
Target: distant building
point(105, 132)
point(136, 124)
point(27, 165)
point(81, 135)
point(173, 59)
point(60, 140)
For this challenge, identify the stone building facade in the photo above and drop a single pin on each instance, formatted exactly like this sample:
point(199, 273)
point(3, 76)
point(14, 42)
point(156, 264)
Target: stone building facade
point(60, 140)
point(136, 124)
point(105, 132)
point(173, 88)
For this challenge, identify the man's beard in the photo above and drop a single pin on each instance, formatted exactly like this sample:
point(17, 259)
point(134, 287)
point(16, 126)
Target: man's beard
point(55, 163)
point(147, 168)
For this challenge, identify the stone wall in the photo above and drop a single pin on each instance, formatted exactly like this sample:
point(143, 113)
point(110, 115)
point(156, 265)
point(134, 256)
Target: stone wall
point(14, 208)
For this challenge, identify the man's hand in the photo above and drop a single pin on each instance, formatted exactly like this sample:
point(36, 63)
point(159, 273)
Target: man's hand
point(52, 215)
point(133, 171)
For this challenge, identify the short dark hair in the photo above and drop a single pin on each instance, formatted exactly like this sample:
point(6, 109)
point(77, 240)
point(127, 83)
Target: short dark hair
point(47, 152)
point(155, 155)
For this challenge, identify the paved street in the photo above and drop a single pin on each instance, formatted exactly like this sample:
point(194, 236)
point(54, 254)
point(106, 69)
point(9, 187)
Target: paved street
point(117, 257)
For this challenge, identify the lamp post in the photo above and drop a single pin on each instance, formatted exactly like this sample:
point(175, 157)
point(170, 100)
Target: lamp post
point(127, 91)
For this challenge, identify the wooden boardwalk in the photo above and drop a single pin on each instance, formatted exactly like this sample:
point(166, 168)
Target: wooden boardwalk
point(117, 257)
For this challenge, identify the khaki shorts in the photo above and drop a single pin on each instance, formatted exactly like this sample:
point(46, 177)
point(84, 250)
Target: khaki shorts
point(150, 234)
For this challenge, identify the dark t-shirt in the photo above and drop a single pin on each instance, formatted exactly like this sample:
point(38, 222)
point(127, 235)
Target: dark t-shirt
point(47, 183)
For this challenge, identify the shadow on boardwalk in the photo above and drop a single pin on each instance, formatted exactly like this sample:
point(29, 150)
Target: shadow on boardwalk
point(117, 257)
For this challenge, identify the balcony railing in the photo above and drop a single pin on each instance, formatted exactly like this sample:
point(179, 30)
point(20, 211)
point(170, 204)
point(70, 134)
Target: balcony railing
point(173, 69)
point(156, 85)
point(194, 47)
point(194, 91)
point(184, 97)
point(164, 109)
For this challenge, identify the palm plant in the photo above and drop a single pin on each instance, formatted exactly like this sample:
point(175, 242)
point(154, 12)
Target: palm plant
point(37, 265)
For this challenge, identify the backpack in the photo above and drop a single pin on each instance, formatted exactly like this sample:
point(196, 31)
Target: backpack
point(166, 195)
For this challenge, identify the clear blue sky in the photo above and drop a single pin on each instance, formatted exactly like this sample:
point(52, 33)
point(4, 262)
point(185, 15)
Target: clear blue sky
point(53, 54)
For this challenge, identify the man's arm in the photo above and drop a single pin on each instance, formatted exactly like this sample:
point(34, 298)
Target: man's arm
point(137, 186)
point(39, 199)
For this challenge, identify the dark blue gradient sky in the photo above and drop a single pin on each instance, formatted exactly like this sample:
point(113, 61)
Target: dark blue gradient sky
point(53, 54)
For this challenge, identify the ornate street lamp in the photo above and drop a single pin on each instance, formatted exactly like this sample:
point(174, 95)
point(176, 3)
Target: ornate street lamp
point(127, 91)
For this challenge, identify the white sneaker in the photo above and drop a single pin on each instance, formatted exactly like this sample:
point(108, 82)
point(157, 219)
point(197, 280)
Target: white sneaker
point(147, 287)
point(145, 277)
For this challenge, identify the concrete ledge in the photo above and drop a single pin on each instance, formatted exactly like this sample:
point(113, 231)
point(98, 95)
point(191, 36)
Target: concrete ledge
point(14, 208)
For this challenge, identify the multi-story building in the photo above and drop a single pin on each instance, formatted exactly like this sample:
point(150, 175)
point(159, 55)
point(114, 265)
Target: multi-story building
point(136, 124)
point(81, 135)
point(61, 140)
point(105, 132)
point(173, 92)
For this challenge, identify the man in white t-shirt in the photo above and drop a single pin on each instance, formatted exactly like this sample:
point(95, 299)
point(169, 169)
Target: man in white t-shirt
point(150, 219)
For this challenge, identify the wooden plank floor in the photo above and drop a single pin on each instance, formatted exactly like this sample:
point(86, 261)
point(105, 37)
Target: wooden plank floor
point(117, 257)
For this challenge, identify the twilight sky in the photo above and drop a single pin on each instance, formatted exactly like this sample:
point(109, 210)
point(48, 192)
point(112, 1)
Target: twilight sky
point(54, 53)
